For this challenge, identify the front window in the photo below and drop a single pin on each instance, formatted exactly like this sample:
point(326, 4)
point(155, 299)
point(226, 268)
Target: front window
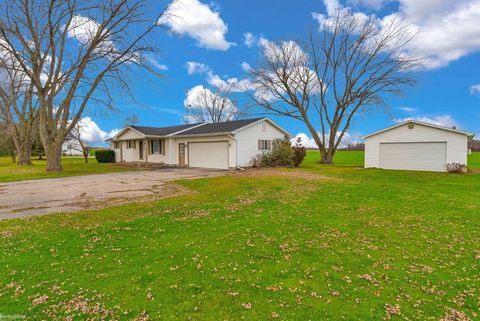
point(157, 146)
point(131, 144)
point(264, 145)
point(116, 145)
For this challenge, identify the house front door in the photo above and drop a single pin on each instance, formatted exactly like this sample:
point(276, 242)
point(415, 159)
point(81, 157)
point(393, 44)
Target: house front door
point(140, 149)
point(181, 155)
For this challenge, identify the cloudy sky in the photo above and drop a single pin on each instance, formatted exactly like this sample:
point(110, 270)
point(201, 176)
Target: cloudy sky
point(217, 41)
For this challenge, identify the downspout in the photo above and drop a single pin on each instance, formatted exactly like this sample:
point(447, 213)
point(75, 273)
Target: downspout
point(236, 152)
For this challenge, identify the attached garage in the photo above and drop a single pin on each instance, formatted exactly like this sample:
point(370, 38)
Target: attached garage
point(208, 154)
point(414, 145)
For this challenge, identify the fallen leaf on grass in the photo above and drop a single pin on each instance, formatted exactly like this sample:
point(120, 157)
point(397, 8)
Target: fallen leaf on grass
point(455, 315)
point(392, 310)
point(42, 299)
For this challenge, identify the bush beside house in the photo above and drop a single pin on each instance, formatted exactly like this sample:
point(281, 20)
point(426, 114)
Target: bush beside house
point(105, 156)
point(282, 154)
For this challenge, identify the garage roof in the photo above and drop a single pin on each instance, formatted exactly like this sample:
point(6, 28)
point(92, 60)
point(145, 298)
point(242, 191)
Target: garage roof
point(469, 134)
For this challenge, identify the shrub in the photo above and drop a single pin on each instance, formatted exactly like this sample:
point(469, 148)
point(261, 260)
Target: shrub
point(299, 154)
point(456, 168)
point(105, 156)
point(281, 155)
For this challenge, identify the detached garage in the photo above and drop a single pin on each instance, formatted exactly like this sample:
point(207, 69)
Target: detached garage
point(415, 145)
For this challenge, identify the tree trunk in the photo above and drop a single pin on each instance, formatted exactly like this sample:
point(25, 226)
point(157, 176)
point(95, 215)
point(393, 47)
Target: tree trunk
point(24, 152)
point(326, 157)
point(53, 156)
point(85, 156)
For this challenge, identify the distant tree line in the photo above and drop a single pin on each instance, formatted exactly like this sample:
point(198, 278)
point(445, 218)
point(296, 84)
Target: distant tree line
point(474, 145)
point(354, 147)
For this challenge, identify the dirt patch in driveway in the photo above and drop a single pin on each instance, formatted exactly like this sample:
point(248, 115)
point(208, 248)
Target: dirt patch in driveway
point(71, 194)
point(170, 189)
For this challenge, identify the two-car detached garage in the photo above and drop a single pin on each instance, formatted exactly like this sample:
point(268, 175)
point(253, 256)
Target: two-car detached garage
point(414, 145)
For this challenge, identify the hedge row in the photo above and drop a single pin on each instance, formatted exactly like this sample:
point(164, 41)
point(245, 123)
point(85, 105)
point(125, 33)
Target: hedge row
point(105, 156)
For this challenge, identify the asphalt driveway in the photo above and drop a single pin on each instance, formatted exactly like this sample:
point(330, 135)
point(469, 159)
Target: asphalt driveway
point(70, 194)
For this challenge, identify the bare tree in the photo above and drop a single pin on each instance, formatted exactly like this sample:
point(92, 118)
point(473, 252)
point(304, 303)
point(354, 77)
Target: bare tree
point(7, 147)
point(203, 105)
point(75, 53)
point(17, 109)
point(352, 64)
point(80, 144)
point(132, 119)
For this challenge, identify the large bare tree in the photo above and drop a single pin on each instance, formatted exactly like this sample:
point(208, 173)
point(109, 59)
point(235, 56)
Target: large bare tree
point(353, 63)
point(17, 110)
point(75, 54)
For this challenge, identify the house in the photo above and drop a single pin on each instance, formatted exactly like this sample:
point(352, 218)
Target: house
point(71, 146)
point(415, 145)
point(222, 145)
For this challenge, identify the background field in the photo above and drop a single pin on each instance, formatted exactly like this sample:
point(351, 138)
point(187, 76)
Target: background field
point(321, 242)
point(72, 166)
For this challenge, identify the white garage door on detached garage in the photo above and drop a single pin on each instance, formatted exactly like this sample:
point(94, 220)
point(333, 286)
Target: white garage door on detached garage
point(414, 145)
point(208, 154)
point(413, 156)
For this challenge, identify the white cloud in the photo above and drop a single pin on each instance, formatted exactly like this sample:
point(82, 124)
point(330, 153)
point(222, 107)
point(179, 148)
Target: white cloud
point(441, 120)
point(199, 21)
point(91, 133)
point(246, 66)
point(156, 64)
point(305, 141)
point(235, 84)
point(409, 110)
point(309, 142)
point(447, 30)
point(248, 39)
point(194, 67)
point(475, 89)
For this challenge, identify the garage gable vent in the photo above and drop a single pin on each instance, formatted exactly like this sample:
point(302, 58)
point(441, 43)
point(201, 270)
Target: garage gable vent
point(410, 125)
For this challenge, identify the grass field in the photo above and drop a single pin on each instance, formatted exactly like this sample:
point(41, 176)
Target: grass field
point(320, 243)
point(72, 166)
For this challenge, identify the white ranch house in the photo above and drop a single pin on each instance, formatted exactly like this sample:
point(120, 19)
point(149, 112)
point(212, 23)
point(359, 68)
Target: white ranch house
point(222, 145)
point(415, 145)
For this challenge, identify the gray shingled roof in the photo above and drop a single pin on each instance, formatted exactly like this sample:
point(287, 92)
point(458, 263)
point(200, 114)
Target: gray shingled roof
point(223, 127)
point(161, 131)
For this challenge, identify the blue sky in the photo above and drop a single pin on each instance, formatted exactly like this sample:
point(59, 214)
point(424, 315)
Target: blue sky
point(213, 34)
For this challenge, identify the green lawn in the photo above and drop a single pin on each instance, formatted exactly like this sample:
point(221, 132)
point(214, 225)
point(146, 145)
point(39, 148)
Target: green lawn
point(350, 246)
point(72, 166)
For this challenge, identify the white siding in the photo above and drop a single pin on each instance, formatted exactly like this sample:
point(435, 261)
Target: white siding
point(160, 158)
point(132, 154)
point(247, 140)
point(130, 134)
point(456, 143)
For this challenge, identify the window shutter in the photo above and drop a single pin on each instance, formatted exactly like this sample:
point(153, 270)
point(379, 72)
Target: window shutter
point(259, 144)
point(269, 144)
point(162, 142)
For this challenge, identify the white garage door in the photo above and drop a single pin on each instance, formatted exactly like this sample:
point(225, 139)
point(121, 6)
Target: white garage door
point(208, 155)
point(413, 156)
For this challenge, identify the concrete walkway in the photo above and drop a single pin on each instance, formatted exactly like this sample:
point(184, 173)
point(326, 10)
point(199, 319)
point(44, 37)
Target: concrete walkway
point(69, 194)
